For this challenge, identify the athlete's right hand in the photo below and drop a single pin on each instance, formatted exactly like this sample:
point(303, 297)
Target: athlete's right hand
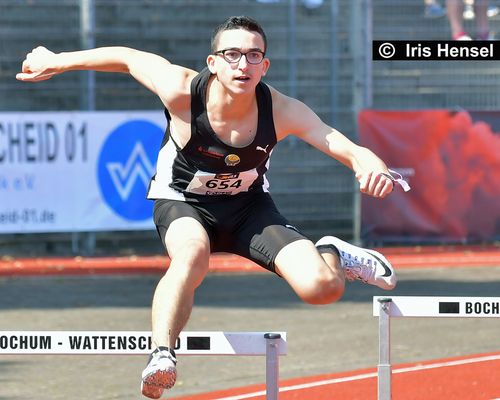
point(36, 66)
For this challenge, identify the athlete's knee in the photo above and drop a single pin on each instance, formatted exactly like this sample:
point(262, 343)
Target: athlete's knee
point(191, 257)
point(192, 248)
point(323, 287)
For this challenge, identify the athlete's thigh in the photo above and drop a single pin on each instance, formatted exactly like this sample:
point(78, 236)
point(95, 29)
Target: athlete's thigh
point(264, 232)
point(309, 275)
point(299, 262)
point(180, 224)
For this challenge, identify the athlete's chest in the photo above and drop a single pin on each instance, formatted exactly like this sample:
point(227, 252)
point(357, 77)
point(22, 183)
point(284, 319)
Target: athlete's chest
point(235, 132)
point(209, 153)
point(221, 167)
point(230, 147)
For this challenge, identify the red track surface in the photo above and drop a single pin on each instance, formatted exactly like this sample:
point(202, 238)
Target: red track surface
point(473, 378)
point(407, 257)
point(464, 378)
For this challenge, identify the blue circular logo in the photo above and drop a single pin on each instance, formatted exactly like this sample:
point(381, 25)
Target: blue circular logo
point(125, 166)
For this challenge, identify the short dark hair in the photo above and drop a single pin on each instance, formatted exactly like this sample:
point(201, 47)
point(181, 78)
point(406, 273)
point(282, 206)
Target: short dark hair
point(239, 22)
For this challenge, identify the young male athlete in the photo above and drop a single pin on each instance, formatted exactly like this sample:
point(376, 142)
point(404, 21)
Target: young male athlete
point(210, 189)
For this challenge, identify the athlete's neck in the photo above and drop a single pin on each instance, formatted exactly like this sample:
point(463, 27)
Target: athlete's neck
point(226, 105)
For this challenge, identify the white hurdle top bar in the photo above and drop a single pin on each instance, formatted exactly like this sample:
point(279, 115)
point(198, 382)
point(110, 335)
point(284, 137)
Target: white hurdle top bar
point(430, 306)
point(132, 342)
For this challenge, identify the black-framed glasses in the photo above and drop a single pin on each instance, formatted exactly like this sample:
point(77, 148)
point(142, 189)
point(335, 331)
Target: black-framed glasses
point(233, 56)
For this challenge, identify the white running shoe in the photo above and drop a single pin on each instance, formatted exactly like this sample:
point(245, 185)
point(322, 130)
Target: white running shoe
point(159, 374)
point(365, 265)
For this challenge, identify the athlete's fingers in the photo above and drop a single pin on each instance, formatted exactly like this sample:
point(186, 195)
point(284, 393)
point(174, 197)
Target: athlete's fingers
point(373, 185)
point(25, 67)
point(32, 77)
point(379, 186)
point(376, 185)
point(23, 76)
point(384, 188)
point(389, 185)
point(364, 181)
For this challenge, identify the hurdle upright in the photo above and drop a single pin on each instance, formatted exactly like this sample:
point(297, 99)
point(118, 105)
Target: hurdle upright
point(421, 306)
point(209, 343)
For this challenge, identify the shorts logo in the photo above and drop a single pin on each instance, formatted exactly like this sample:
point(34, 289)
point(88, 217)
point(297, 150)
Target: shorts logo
point(232, 160)
point(125, 166)
point(292, 227)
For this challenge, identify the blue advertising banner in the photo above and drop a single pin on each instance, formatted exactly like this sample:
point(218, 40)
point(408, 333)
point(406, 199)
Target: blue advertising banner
point(77, 171)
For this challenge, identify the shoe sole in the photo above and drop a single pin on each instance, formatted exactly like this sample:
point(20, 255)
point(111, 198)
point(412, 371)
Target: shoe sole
point(151, 391)
point(155, 383)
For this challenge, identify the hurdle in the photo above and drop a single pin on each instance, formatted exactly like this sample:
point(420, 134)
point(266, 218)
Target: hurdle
point(421, 306)
point(210, 343)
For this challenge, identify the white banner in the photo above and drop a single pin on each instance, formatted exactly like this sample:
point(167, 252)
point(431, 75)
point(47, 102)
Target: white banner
point(443, 307)
point(132, 342)
point(77, 171)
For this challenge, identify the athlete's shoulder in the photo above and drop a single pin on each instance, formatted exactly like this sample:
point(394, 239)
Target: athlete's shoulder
point(178, 78)
point(174, 88)
point(286, 112)
point(281, 102)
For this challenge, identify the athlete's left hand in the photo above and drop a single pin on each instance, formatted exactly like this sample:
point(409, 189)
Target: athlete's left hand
point(36, 66)
point(375, 184)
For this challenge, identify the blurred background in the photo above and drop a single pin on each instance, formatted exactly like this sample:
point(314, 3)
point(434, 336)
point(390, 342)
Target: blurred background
point(321, 53)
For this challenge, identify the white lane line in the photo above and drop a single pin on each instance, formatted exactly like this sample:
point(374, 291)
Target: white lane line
point(368, 375)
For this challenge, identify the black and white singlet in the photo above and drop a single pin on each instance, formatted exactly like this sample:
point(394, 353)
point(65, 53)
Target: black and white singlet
point(207, 168)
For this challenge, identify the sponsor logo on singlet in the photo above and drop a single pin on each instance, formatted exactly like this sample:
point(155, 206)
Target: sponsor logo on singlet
point(210, 153)
point(232, 160)
point(264, 149)
point(125, 166)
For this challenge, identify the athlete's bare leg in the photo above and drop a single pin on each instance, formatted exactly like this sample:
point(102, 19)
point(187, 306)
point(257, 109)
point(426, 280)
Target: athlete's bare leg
point(317, 278)
point(318, 272)
point(189, 249)
point(188, 246)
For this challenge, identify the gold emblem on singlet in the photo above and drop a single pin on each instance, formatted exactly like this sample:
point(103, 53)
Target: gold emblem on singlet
point(232, 160)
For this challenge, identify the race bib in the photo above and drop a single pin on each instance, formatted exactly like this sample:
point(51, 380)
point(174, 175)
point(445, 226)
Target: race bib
point(231, 183)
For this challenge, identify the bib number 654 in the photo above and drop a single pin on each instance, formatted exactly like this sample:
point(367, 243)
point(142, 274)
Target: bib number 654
point(223, 184)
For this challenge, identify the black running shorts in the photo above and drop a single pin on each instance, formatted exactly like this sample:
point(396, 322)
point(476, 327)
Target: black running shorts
point(249, 225)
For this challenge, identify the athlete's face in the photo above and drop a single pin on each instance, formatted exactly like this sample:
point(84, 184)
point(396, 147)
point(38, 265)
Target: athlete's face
point(244, 74)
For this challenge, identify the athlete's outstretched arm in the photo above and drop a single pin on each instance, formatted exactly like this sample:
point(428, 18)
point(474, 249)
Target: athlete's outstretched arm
point(153, 71)
point(294, 117)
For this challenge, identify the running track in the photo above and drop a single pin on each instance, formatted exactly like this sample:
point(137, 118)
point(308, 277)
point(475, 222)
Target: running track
point(404, 257)
point(475, 377)
point(466, 378)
